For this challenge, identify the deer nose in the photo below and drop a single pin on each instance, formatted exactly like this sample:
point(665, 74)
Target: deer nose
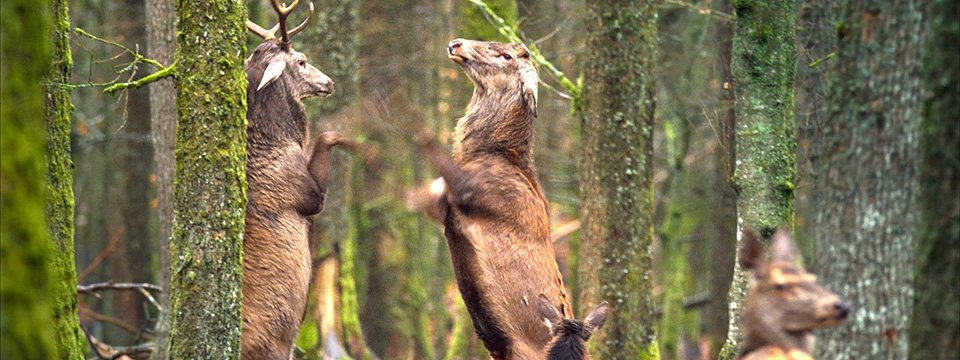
point(453, 45)
point(843, 309)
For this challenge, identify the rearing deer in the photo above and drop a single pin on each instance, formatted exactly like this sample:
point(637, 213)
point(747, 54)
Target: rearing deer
point(785, 302)
point(286, 185)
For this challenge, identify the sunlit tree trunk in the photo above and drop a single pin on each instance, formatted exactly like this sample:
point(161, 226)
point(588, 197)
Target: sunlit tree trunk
point(763, 63)
point(210, 181)
point(161, 45)
point(25, 291)
point(60, 191)
point(935, 328)
point(616, 176)
point(867, 203)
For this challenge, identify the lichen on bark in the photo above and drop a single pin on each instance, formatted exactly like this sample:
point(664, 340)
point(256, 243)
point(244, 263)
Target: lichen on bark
point(210, 181)
point(616, 177)
point(763, 67)
point(59, 192)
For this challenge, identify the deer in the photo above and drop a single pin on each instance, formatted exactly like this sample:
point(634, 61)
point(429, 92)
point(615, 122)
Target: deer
point(286, 185)
point(784, 303)
point(570, 335)
point(491, 204)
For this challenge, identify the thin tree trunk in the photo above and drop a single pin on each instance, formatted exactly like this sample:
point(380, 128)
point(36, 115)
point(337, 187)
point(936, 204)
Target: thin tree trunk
point(867, 204)
point(763, 63)
point(26, 329)
point(210, 181)
point(60, 190)
point(935, 327)
point(616, 176)
point(161, 46)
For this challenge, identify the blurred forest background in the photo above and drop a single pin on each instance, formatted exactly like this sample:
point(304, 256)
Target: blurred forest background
point(383, 282)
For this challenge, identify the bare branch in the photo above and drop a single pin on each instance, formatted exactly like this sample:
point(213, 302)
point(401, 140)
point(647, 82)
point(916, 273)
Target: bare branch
point(117, 286)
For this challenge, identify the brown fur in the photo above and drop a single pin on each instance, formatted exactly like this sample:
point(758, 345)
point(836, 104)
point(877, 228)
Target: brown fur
point(785, 303)
point(492, 206)
point(286, 184)
point(570, 335)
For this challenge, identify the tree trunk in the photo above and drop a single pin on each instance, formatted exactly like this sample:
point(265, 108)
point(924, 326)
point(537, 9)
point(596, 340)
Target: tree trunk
point(724, 216)
point(616, 176)
point(867, 205)
point(935, 327)
point(763, 63)
point(161, 45)
point(25, 290)
point(210, 181)
point(60, 191)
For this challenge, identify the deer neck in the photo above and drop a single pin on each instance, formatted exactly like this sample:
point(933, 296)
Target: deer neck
point(274, 118)
point(497, 123)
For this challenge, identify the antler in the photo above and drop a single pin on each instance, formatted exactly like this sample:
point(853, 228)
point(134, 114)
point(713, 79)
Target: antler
point(282, 11)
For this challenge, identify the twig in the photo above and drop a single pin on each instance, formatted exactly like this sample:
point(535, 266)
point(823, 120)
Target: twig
point(104, 351)
point(696, 301)
point(114, 86)
point(117, 286)
point(110, 320)
point(565, 229)
point(103, 254)
point(511, 34)
point(701, 10)
point(818, 61)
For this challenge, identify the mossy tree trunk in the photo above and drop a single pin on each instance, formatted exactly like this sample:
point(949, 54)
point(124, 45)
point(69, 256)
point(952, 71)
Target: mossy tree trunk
point(26, 331)
point(161, 45)
point(935, 327)
point(867, 206)
point(616, 176)
point(210, 181)
point(60, 204)
point(763, 63)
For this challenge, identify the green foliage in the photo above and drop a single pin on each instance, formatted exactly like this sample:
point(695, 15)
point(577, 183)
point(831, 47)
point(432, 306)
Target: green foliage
point(25, 316)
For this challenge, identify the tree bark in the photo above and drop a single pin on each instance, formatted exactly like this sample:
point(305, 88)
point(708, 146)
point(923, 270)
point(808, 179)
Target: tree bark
point(161, 46)
point(763, 63)
point(26, 330)
point(616, 176)
point(210, 181)
point(60, 203)
point(867, 204)
point(935, 327)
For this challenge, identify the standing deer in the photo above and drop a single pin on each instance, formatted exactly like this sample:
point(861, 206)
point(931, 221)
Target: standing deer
point(491, 204)
point(286, 185)
point(785, 303)
point(570, 335)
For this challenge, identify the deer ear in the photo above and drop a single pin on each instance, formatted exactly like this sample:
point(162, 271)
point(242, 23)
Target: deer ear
point(549, 313)
point(783, 249)
point(595, 320)
point(750, 250)
point(528, 87)
point(272, 73)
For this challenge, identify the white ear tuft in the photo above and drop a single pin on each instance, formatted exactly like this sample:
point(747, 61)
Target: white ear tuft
point(272, 73)
point(528, 87)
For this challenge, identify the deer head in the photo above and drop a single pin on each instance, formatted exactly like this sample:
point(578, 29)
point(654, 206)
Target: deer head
point(785, 302)
point(493, 65)
point(276, 57)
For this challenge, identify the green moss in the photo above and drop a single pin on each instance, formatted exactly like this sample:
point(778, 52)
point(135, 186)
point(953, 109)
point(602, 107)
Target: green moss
point(763, 65)
point(210, 181)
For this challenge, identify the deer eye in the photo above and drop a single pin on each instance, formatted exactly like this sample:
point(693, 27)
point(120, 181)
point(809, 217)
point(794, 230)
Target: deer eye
point(301, 63)
point(506, 57)
point(782, 287)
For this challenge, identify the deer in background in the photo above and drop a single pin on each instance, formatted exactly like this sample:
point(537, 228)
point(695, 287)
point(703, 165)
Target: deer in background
point(785, 303)
point(570, 335)
point(490, 202)
point(286, 185)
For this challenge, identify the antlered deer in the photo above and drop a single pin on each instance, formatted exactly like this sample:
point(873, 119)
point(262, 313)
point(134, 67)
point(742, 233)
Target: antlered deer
point(286, 185)
point(492, 206)
point(785, 302)
point(570, 335)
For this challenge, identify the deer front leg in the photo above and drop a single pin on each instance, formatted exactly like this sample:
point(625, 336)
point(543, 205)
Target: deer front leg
point(462, 187)
point(318, 172)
